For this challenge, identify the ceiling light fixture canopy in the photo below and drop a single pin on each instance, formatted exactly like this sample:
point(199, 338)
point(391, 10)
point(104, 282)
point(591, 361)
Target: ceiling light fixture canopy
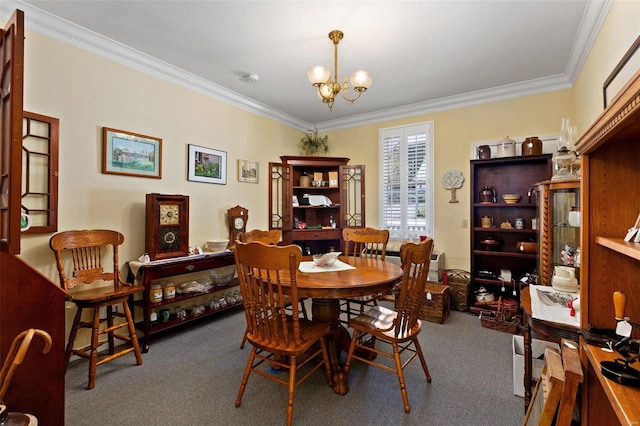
point(329, 88)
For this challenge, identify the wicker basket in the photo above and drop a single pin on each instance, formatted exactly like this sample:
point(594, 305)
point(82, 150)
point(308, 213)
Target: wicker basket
point(223, 275)
point(499, 322)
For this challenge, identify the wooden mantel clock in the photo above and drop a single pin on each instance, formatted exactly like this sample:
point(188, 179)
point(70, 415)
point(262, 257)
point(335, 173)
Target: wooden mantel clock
point(167, 226)
point(237, 219)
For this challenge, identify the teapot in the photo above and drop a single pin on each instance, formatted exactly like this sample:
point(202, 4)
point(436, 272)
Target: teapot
point(488, 194)
point(486, 221)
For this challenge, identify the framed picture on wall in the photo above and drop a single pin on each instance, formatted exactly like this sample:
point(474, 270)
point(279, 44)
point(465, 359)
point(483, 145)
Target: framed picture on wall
point(131, 154)
point(247, 171)
point(622, 73)
point(207, 165)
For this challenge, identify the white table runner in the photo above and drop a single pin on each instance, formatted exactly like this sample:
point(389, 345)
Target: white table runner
point(311, 267)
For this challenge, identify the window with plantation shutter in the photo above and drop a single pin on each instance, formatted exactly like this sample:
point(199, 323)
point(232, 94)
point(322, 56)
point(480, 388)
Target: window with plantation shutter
point(406, 180)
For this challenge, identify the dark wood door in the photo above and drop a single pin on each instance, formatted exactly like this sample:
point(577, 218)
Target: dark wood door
point(12, 55)
point(27, 298)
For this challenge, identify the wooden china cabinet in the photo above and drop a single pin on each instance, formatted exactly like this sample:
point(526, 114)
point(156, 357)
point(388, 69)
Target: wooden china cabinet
point(558, 226)
point(337, 201)
point(506, 175)
point(610, 151)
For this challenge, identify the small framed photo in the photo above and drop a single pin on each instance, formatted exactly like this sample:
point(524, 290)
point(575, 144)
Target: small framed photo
point(622, 73)
point(247, 171)
point(131, 154)
point(207, 165)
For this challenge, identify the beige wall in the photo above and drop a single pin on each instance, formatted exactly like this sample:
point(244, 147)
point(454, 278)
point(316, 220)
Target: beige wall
point(87, 92)
point(454, 132)
point(618, 33)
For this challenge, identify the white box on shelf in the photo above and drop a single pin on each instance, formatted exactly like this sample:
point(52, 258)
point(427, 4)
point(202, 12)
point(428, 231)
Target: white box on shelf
point(537, 349)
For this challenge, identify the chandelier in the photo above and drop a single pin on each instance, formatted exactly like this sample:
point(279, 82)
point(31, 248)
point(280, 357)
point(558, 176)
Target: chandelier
point(329, 88)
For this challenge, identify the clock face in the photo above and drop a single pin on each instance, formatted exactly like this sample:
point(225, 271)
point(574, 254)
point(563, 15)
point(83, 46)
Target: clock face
point(169, 214)
point(169, 238)
point(238, 222)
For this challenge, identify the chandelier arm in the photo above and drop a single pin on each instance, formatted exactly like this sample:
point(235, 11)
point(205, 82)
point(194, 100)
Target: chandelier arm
point(344, 95)
point(328, 90)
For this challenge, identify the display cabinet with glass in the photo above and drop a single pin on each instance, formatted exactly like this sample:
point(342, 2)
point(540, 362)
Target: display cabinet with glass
point(559, 227)
point(312, 198)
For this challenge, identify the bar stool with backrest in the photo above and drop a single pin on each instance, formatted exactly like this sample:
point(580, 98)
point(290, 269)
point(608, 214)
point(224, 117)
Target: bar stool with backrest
point(363, 242)
point(266, 273)
point(271, 237)
point(87, 248)
point(398, 329)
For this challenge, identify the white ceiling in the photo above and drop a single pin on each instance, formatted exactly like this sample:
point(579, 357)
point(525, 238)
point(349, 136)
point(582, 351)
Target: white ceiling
point(424, 55)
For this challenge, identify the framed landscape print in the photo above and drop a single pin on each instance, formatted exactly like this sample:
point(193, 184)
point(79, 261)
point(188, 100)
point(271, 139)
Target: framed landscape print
point(207, 165)
point(131, 154)
point(247, 171)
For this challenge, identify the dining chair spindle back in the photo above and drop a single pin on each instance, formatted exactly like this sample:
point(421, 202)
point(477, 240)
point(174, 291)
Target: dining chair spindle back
point(267, 274)
point(363, 242)
point(398, 329)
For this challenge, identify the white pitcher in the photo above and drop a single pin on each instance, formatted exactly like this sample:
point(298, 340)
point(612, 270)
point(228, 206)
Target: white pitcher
point(564, 279)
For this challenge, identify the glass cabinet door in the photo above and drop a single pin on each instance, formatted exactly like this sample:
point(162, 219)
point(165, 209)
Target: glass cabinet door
point(559, 212)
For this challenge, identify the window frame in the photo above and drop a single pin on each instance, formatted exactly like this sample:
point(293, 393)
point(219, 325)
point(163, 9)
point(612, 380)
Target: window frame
point(404, 133)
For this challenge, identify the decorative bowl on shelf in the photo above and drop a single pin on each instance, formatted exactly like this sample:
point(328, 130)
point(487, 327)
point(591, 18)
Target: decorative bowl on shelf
point(217, 245)
point(490, 244)
point(511, 198)
point(326, 259)
point(223, 275)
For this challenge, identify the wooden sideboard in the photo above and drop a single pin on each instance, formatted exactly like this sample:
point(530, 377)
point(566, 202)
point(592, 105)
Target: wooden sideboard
point(146, 273)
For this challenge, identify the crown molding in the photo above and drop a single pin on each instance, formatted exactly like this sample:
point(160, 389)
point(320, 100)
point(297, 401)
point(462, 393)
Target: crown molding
point(59, 29)
point(511, 91)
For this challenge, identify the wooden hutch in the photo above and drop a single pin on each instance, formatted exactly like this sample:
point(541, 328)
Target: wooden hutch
point(340, 200)
point(610, 152)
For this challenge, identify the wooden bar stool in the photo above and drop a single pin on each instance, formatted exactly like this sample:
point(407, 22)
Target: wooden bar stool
point(86, 248)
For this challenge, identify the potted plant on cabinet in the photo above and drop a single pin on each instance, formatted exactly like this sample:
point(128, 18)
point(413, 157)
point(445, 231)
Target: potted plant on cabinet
point(312, 143)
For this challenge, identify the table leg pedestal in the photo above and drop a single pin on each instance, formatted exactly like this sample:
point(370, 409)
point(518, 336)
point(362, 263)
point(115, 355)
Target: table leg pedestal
point(338, 339)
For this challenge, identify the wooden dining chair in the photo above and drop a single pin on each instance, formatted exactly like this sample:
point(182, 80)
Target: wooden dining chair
point(84, 285)
point(363, 242)
point(270, 237)
point(279, 341)
point(398, 329)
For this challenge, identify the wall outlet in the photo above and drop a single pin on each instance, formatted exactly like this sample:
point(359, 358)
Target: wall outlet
point(465, 223)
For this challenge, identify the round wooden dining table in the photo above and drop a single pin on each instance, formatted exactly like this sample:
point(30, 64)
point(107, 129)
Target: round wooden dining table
point(370, 276)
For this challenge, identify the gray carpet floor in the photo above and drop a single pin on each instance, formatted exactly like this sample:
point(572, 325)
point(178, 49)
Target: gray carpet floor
point(191, 376)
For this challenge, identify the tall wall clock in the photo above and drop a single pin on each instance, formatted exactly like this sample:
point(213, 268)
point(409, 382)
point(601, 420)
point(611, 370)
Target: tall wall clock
point(237, 218)
point(167, 226)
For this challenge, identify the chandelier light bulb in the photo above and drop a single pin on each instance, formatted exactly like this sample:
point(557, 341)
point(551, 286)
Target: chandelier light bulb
point(325, 91)
point(361, 80)
point(328, 87)
point(318, 75)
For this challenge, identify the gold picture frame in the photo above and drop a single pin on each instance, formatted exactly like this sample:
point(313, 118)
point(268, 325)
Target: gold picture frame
point(248, 171)
point(131, 154)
